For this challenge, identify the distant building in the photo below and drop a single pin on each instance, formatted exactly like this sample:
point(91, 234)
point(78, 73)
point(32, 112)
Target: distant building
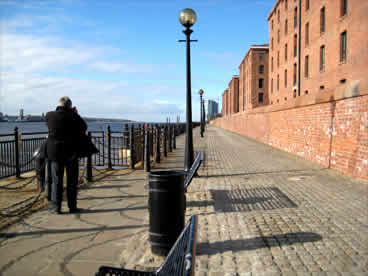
point(234, 94)
point(317, 49)
point(21, 114)
point(253, 78)
point(212, 110)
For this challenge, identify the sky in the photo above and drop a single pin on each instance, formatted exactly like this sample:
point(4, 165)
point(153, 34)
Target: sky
point(121, 58)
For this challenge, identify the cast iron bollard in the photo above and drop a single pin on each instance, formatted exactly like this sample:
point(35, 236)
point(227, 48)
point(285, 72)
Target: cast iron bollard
point(132, 152)
point(158, 148)
point(166, 204)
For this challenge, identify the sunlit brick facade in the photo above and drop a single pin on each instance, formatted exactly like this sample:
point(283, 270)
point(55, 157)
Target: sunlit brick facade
point(253, 78)
point(234, 94)
point(317, 49)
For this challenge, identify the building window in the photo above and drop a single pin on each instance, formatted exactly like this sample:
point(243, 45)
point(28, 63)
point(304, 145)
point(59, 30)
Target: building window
point(278, 82)
point(295, 17)
point(272, 24)
point(306, 67)
point(271, 43)
point(323, 20)
point(271, 86)
point(286, 27)
point(261, 56)
point(278, 16)
point(278, 36)
point(343, 45)
point(307, 34)
point(322, 59)
point(286, 52)
point(286, 4)
point(344, 7)
point(261, 83)
point(294, 75)
point(272, 64)
point(295, 45)
point(278, 59)
point(260, 98)
point(285, 78)
point(306, 4)
point(261, 69)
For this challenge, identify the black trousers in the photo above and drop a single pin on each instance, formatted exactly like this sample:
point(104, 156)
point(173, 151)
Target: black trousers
point(72, 173)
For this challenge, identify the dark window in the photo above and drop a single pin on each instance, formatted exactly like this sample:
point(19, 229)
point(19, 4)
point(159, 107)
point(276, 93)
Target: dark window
point(261, 56)
point(294, 75)
point(307, 34)
point(278, 59)
point(323, 20)
point(307, 4)
point(278, 16)
point(295, 17)
point(261, 69)
point(306, 67)
point(295, 45)
point(260, 98)
point(286, 51)
point(343, 45)
point(278, 36)
point(272, 24)
point(271, 85)
point(271, 43)
point(344, 7)
point(272, 64)
point(286, 4)
point(278, 82)
point(261, 83)
point(322, 59)
point(285, 78)
point(286, 26)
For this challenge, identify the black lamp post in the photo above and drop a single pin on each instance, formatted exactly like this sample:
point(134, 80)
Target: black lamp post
point(201, 125)
point(187, 18)
point(204, 117)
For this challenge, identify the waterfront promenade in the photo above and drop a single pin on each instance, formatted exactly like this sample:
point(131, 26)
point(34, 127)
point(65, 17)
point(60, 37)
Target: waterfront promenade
point(261, 211)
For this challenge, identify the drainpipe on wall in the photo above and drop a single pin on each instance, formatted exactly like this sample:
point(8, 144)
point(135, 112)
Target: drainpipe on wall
point(299, 44)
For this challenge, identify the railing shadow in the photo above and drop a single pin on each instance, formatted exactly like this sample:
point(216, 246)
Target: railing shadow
point(263, 172)
point(208, 248)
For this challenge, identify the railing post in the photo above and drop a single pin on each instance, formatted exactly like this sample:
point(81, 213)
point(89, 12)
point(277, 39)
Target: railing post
point(147, 161)
point(109, 163)
point(132, 152)
point(165, 141)
point(174, 136)
point(170, 137)
point(158, 148)
point(16, 138)
point(89, 163)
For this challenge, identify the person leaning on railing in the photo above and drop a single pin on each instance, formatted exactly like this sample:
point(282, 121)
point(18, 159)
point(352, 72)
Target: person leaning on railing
point(65, 127)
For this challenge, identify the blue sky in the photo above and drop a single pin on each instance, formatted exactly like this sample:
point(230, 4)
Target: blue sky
point(121, 59)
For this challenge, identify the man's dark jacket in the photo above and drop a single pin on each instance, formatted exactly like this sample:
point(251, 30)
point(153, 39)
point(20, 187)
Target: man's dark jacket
point(65, 129)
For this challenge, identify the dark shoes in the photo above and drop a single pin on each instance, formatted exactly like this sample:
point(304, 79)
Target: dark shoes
point(75, 210)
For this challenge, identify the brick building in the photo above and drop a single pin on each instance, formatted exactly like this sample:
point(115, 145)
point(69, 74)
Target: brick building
point(226, 103)
point(234, 94)
point(253, 78)
point(317, 49)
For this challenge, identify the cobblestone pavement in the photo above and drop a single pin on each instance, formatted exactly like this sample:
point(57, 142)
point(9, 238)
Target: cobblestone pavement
point(266, 212)
point(261, 211)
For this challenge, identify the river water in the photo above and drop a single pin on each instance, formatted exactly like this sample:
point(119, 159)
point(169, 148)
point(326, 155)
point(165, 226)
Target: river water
point(8, 127)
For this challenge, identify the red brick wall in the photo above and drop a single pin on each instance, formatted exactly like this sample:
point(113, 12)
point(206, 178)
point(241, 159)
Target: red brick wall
point(333, 134)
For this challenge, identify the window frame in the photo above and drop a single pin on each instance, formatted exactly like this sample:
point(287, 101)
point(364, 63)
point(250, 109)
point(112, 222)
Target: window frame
point(306, 66)
point(343, 46)
point(322, 58)
point(323, 20)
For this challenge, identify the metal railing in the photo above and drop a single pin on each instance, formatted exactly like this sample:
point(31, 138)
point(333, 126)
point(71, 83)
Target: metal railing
point(125, 148)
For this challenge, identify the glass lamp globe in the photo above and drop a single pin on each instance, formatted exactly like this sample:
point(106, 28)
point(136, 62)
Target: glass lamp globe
point(201, 92)
point(187, 17)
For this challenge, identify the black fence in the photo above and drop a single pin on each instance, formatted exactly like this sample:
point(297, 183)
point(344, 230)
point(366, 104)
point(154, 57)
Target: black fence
point(140, 144)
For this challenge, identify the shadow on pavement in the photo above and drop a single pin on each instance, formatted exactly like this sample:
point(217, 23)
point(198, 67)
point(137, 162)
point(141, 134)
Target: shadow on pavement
point(206, 248)
point(72, 230)
point(261, 172)
point(110, 197)
point(106, 187)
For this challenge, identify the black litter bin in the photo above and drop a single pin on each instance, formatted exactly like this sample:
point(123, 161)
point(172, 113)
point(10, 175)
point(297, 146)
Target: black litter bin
point(166, 209)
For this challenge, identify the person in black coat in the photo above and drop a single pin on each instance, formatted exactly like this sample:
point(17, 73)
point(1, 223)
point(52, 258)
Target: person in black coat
point(64, 130)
